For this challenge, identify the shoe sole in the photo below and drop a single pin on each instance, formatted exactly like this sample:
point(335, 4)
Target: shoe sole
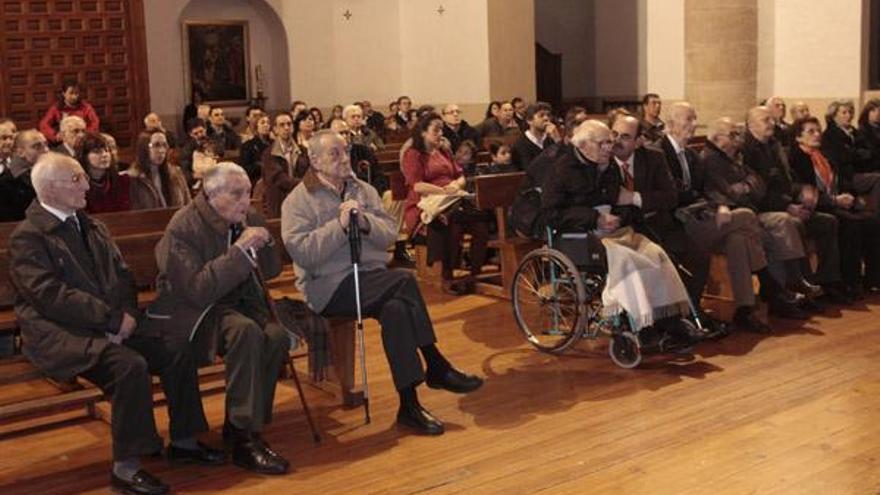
point(459, 391)
point(261, 471)
point(419, 431)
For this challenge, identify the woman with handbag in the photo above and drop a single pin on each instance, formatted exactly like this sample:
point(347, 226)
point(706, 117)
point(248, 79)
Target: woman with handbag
point(433, 176)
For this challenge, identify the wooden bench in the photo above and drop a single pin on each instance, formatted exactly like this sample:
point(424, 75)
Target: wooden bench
point(136, 234)
point(496, 193)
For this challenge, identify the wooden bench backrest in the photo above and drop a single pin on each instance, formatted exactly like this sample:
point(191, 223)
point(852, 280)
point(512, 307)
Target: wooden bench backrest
point(497, 192)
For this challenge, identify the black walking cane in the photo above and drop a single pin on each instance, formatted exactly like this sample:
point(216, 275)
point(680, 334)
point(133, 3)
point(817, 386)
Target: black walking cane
point(354, 242)
point(273, 317)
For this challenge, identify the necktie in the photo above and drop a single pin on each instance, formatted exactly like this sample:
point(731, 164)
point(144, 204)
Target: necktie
point(74, 224)
point(685, 170)
point(628, 182)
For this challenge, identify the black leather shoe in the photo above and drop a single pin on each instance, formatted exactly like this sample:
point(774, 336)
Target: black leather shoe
point(401, 257)
point(203, 455)
point(142, 483)
point(782, 309)
point(837, 295)
point(455, 381)
point(414, 416)
point(252, 455)
point(268, 450)
point(806, 288)
point(745, 320)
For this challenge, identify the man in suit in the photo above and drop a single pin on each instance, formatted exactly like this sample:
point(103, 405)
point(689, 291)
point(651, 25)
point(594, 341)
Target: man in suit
point(210, 300)
point(729, 182)
point(77, 309)
point(540, 133)
point(733, 231)
point(456, 129)
point(72, 130)
point(763, 154)
point(16, 190)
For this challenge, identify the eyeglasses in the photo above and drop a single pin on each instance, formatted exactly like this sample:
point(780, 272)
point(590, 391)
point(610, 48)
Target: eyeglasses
point(75, 178)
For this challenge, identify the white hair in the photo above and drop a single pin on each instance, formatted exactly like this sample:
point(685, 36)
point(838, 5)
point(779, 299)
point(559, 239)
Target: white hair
point(586, 131)
point(46, 169)
point(718, 127)
point(349, 109)
point(216, 178)
point(68, 121)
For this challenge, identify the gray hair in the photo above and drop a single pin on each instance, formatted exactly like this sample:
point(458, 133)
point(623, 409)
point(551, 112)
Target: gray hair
point(216, 178)
point(45, 169)
point(835, 106)
point(68, 121)
point(718, 127)
point(349, 109)
point(586, 131)
point(316, 143)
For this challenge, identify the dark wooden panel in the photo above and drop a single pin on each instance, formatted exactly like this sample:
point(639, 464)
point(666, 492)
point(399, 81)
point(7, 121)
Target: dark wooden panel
point(101, 43)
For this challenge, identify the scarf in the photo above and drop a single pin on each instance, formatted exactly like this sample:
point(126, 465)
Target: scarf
point(821, 166)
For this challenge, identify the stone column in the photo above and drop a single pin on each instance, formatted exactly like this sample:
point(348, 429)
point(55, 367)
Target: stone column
point(721, 57)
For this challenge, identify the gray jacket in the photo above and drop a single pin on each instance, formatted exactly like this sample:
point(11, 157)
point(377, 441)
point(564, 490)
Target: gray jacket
point(317, 243)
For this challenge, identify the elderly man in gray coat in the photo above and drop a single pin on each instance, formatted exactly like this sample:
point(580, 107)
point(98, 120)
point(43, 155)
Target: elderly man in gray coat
point(77, 309)
point(210, 297)
point(315, 219)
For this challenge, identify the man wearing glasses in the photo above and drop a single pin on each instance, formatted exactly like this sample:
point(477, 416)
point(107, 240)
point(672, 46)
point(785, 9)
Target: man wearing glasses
point(16, 191)
point(77, 310)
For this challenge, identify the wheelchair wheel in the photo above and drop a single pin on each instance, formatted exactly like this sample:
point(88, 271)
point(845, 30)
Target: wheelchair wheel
point(625, 350)
point(548, 297)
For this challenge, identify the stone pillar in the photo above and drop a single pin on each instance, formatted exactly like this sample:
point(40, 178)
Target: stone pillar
point(721, 57)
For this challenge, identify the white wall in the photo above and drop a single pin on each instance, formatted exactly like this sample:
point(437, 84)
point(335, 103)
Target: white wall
point(817, 48)
point(444, 57)
point(165, 48)
point(664, 48)
point(616, 31)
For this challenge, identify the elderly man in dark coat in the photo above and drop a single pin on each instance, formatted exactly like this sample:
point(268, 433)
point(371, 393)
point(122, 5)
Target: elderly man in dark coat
point(77, 309)
point(210, 297)
point(315, 218)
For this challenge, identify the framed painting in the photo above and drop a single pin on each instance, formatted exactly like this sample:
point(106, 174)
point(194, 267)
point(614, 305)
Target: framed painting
point(216, 61)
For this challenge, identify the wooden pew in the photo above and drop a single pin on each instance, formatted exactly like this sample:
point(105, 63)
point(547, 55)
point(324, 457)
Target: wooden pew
point(136, 234)
point(497, 192)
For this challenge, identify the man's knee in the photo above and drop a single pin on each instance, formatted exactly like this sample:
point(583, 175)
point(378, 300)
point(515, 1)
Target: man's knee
point(277, 338)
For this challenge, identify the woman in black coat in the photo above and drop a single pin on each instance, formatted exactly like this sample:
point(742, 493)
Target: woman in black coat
point(868, 134)
point(835, 193)
point(252, 150)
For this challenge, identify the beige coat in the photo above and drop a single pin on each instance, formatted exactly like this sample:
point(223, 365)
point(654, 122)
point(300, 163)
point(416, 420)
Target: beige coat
point(145, 195)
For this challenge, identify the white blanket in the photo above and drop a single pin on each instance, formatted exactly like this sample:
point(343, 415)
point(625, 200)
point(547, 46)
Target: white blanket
point(642, 280)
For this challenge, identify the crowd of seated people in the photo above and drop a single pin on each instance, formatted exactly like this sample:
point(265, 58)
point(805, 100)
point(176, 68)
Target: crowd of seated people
point(795, 203)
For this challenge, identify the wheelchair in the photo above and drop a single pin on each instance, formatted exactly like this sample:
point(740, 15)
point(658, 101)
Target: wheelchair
point(557, 300)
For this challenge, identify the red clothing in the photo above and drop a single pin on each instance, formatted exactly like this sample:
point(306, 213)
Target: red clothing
point(437, 168)
point(50, 122)
point(101, 198)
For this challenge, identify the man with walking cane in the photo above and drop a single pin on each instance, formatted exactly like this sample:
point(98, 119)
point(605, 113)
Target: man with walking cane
point(315, 221)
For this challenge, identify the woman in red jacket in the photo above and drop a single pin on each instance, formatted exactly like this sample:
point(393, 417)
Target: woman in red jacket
point(69, 103)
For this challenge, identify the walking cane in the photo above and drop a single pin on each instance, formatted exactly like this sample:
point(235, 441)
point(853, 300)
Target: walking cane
point(354, 241)
point(273, 317)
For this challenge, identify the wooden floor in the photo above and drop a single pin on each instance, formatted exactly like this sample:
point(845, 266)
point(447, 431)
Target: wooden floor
point(797, 412)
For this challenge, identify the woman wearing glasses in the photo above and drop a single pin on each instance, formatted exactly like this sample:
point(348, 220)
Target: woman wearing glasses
point(156, 183)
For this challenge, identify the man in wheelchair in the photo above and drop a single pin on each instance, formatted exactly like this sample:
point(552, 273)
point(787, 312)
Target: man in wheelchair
point(642, 280)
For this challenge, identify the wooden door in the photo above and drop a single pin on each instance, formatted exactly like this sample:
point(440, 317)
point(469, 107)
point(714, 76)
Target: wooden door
point(100, 43)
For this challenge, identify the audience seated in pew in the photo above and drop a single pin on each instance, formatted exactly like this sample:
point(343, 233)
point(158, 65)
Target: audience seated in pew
point(652, 125)
point(500, 125)
point(197, 140)
point(869, 135)
point(78, 314)
point(315, 218)
point(850, 197)
point(373, 118)
point(540, 133)
point(7, 143)
point(284, 164)
point(457, 130)
point(361, 133)
point(251, 158)
point(221, 133)
point(252, 116)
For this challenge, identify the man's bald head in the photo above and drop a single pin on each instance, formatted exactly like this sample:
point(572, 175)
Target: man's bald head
point(682, 121)
point(776, 105)
point(60, 182)
point(760, 123)
point(726, 135)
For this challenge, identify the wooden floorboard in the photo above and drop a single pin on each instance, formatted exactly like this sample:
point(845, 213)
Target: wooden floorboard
point(797, 412)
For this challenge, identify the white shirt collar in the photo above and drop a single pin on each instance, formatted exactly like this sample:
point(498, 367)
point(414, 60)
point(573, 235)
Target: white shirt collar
point(677, 147)
point(538, 142)
point(628, 163)
point(60, 215)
